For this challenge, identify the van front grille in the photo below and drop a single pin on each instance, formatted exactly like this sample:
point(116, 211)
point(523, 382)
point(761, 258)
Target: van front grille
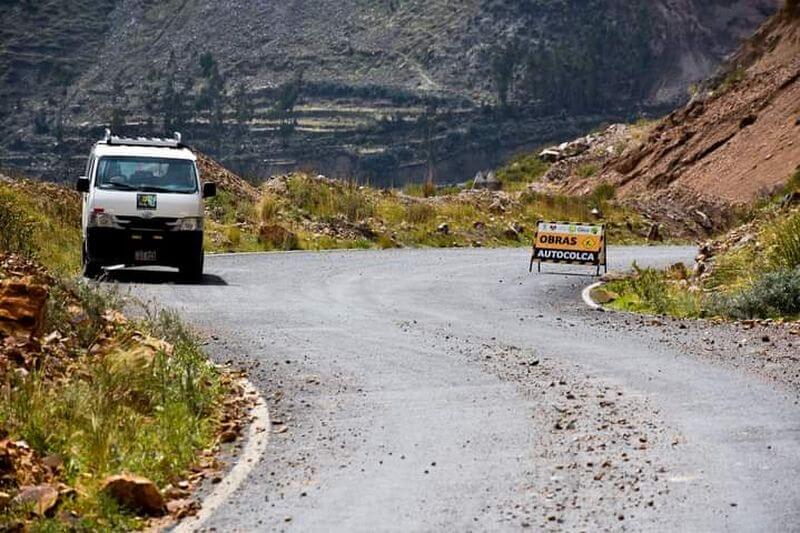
point(147, 224)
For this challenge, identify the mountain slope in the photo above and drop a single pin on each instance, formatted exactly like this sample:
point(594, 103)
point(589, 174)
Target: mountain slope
point(736, 142)
point(739, 139)
point(386, 88)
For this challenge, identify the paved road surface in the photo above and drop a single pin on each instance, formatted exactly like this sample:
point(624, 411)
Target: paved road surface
point(450, 390)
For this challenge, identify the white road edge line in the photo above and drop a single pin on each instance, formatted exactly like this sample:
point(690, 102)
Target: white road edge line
point(254, 447)
point(587, 296)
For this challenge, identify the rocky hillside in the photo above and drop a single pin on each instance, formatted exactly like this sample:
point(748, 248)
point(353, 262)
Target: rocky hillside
point(387, 89)
point(735, 143)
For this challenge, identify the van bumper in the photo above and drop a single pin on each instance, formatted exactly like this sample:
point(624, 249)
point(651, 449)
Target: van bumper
point(110, 246)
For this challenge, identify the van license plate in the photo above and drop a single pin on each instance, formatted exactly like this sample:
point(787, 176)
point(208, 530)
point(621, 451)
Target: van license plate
point(145, 256)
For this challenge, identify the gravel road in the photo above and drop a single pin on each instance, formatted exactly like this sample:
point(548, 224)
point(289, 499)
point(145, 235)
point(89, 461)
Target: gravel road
point(422, 390)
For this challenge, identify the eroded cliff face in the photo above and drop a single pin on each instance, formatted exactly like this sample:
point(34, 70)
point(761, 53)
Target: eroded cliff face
point(388, 88)
point(736, 142)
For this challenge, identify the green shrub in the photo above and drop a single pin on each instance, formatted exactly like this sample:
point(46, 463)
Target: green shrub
point(234, 236)
point(523, 169)
point(785, 244)
point(353, 203)
point(557, 207)
point(115, 415)
point(384, 242)
point(773, 295)
point(419, 213)
point(733, 78)
point(735, 269)
point(586, 170)
point(794, 182)
point(413, 189)
point(268, 208)
point(16, 227)
point(603, 193)
point(327, 201)
point(650, 286)
point(391, 211)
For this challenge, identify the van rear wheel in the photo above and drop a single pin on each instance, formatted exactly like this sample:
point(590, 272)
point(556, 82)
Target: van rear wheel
point(192, 269)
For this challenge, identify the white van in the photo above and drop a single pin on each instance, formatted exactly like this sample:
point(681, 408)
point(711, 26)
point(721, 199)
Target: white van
point(143, 205)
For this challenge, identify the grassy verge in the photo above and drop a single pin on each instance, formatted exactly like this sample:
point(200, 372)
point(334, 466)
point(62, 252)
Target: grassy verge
point(41, 221)
point(89, 393)
point(302, 212)
point(109, 396)
point(754, 275)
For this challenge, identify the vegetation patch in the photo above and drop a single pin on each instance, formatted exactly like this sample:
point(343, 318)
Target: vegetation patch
point(86, 393)
point(41, 221)
point(752, 273)
point(305, 212)
point(522, 170)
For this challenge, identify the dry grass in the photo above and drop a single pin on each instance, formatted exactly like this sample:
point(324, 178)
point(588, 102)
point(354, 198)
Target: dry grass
point(43, 222)
point(117, 408)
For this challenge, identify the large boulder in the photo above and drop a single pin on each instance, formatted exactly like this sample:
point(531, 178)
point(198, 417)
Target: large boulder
point(136, 493)
point(22, 304)
point(276, 236)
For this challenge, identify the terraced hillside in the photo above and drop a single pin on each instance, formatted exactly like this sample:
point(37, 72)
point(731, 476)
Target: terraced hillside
point(386, 89)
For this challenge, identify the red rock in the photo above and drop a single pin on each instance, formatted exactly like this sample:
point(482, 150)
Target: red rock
point(22, 308)
point(136, 493)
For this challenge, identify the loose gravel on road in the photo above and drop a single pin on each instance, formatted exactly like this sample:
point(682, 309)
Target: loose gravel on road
point(451, 390)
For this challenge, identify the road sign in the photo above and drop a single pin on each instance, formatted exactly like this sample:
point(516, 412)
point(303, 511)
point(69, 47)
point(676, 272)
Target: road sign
point(571, 243)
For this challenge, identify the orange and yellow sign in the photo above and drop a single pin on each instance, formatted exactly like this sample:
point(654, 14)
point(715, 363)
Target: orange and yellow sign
point(558, 242)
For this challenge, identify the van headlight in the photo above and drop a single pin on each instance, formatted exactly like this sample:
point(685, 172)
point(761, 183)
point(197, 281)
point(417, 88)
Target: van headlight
point(102, 220)
point(189, 224)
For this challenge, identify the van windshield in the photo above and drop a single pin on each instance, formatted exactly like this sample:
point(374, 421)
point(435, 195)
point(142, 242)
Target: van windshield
point(147, 174)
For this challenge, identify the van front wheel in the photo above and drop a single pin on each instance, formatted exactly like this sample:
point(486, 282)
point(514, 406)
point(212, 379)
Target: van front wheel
point(192, 269)
point(90, 270)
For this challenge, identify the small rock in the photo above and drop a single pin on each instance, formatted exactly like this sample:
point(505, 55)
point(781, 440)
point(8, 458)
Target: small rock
point(175, 493)
point(44, 498)
point(182, 508)
point(603, 296)
point(134, 492)
point(227, 436)
point(54, 462)
point(5, 498)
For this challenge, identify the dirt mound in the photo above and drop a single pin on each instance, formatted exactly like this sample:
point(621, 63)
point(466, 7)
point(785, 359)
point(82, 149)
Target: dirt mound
point(227, 181)
point(737, 141)
point(58, 197)
point(731, 145)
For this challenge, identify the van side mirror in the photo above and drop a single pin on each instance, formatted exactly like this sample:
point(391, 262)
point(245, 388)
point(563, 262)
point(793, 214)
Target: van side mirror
point(82, 184)
point(209, 190)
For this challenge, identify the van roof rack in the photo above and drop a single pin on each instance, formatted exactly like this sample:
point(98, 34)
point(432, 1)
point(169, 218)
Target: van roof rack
point(174, 142)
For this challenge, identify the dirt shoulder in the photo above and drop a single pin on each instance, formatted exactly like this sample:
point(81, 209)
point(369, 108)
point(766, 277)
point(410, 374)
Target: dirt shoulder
point(768, 349)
